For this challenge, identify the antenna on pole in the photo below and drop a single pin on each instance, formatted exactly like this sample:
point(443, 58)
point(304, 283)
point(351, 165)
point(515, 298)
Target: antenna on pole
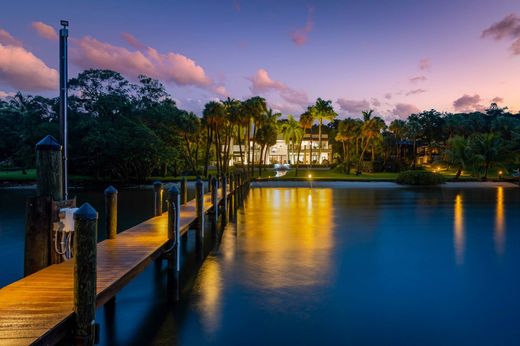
point(64, 33)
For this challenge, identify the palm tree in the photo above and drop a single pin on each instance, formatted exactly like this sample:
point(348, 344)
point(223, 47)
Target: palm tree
point(306, 121)
point(256, 108)
point(398, 128)
point(413, 129)
point(458, 153)
point(266, 135)
point(213, 114)
point(347, 132)
point(490, 148)
point(292, 133)
point(322, 110)
point(371, 132)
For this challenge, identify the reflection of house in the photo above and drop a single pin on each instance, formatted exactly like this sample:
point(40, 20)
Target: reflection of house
point(281, 153)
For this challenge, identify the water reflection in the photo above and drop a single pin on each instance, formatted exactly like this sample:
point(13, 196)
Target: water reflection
point(458, 230)
point(500, 236)
point(288, 238)
point(210, 294)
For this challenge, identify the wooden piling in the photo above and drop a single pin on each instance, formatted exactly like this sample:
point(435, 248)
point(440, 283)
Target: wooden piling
point(184, 190)
point(209, 183)
point(224, 198)
point(214, 200)
point(85, 252)
point(157, 197)
point(49, 172)
point(111, 212)
point(174, 223)
point(231, 180)
point(199, 195)
point(38, 223)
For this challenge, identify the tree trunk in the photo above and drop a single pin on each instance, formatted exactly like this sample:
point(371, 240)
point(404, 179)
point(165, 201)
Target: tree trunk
point(414, 152)
point(319, 145)
point(310, 151)
point(240, 145)
point(208, 149)
point(459, 172)
point(348, 157)
point(298, 158)
point(361, 157)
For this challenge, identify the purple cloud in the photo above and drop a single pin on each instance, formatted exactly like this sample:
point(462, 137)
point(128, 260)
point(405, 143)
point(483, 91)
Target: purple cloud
point(403, 110)
point(388, 96)
point(467, 103)
point(509, 27)
point(300, 36)
point(425, 64)
point(415, 92)
point(418, 79)
point(353, 106)
point(497, 99)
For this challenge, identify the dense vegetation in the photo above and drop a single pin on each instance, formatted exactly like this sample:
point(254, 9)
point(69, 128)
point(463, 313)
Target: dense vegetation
point(419, 178)
point(124, 130)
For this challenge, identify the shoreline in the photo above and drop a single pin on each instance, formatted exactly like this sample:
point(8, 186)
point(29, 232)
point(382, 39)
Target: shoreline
point(377, 184)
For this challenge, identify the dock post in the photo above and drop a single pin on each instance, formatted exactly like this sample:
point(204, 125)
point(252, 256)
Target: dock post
point(85, 251)
point(199, 193)
point(214, 200)
point(49, 172)
point(237, 192)
point(231, 195)
point(224, 198)
point(184, 191)
point(157, 197)
point(111, 212)
point(38, 232)
point(174, 224)
point(174, 235)
point(210, 176)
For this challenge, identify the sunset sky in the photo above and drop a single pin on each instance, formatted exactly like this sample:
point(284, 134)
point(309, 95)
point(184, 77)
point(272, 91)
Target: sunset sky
point(396, 57)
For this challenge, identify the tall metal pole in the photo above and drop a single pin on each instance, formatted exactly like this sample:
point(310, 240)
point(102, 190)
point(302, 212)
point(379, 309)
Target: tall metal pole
point(64, 33)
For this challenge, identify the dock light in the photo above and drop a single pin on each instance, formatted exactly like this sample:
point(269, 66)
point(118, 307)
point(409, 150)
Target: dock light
point(500, 174)
point(310, 176)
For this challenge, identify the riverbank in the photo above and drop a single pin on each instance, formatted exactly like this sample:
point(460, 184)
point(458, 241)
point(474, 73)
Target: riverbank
point(376, 184)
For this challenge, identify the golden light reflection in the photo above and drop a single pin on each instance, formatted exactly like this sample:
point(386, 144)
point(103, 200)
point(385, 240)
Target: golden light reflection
point(500, 236)
point(288, 236)
point(209, 287)
point(458, 230)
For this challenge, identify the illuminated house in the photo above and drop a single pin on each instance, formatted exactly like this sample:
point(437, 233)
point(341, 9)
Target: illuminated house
point(281, 153)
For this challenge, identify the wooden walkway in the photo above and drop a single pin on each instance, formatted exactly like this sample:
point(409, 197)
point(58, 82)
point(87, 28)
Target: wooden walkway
point(39, 308)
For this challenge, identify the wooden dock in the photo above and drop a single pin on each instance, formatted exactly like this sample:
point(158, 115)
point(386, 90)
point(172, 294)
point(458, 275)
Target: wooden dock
point(38, 309)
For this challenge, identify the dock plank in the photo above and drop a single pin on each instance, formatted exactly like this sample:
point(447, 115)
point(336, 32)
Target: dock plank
point(39, 307)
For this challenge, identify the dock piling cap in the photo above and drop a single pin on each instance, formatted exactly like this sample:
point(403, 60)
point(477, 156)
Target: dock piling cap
point(110, 190)
point(174, 189)
point(86, 212)
point(48, 143)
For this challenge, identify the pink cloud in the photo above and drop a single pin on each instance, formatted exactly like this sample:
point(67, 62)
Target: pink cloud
point(497, 99)
point(8, 40)
point(508, 27)
point(425, 64)
point(388, 96)
point(353, 106)
point(300, 36)
point(89, 52)
point(132, 41)
point(403, 110)
point(22, 70)
point(237, 5)
point(418, 79)
point(467, 103)
point(262, 83)
point(45, 31)
point(4, 94)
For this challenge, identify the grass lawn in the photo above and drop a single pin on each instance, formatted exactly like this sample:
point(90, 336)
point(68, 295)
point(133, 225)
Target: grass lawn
point(303, 173)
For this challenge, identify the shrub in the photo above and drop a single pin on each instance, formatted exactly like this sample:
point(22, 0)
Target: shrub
point(419, 178)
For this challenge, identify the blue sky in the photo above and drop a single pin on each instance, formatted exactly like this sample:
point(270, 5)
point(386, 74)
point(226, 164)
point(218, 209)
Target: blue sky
point(393, 56)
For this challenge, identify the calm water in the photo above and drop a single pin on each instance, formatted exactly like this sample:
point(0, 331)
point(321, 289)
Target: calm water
point(325, 266)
